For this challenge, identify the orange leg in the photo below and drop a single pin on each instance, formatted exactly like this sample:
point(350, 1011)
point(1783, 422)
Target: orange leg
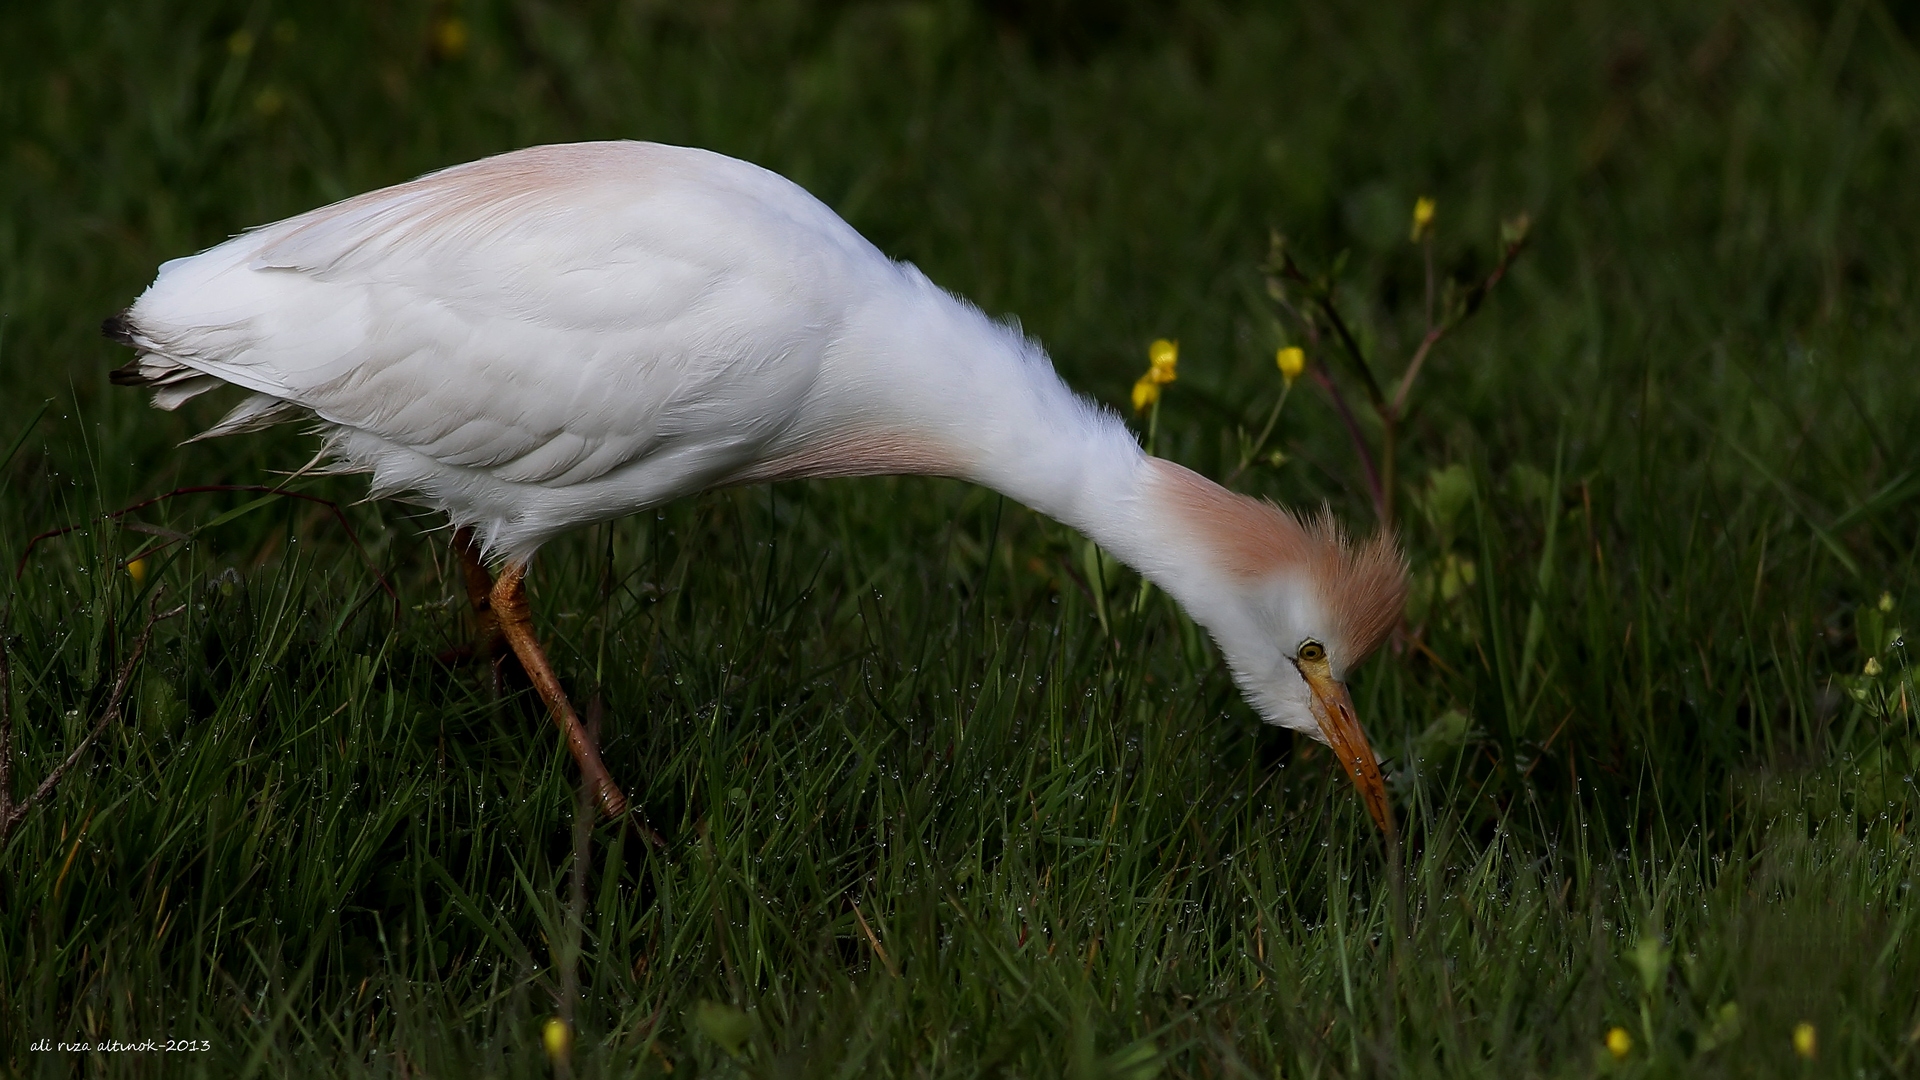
point(479, 591)
point(508, 601)
point(488, 644)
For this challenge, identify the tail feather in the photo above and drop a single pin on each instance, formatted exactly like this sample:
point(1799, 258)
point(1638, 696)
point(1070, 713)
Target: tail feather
point(152, 369)
point(174, 383)
point(175, 392)
point(128, 374)
point(257, 412)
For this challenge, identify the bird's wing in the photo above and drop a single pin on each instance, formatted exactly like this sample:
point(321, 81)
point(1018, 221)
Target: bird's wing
point(547, 315)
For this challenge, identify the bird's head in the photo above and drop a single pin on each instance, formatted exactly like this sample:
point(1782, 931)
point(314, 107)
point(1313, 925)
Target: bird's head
point(1295, 605)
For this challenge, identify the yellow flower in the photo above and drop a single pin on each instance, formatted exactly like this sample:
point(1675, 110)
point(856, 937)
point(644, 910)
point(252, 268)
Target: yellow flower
point(1804, 1042)
point(1422, 219)
point(450, 37)
point(1164, 355)
point(1619, 1043)
point(240, 42)
point(558, 1037)
point(1292, 361)
point(1872, 668)
point(1886, 601)
point(137, 570)
point(1145, 392)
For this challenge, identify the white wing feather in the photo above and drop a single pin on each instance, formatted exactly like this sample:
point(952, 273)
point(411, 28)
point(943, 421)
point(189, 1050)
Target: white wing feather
point(548, 317)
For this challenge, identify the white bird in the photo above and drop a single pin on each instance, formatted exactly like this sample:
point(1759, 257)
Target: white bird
point(568, 334)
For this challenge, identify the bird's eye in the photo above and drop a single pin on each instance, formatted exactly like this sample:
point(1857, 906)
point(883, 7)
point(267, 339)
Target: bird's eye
point(1311, 652)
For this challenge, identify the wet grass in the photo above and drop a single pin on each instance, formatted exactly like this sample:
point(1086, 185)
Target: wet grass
point(942, 796)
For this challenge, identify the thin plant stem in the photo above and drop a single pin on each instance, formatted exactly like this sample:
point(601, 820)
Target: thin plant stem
point(1260, 443)
point(584, 813)
point(1426, 250)
point(1353, 432)
point(6, 725)
point(1389, 448)
point(1436, 331)
point(1322, 295)
point(1352, 346)
point(1400, 945)
point(1433, 335)
point(1324, 308)
point(116, 700)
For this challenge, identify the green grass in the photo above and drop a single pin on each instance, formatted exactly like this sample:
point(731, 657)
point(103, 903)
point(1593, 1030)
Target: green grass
point(929, 812)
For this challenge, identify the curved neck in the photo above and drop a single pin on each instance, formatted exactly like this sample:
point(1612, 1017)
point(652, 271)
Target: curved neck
point(989, 402)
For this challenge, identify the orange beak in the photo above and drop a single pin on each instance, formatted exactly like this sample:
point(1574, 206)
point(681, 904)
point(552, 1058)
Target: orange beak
point(1333, 708)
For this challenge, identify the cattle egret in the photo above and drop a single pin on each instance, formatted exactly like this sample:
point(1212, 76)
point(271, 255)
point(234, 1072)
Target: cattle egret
point(568, 334)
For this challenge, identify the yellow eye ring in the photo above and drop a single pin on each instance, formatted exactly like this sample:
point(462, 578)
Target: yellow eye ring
point(1311, 652)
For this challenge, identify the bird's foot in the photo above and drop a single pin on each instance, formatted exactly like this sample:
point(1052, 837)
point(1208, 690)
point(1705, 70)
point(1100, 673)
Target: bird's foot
point(634, 820)
point(509, 606)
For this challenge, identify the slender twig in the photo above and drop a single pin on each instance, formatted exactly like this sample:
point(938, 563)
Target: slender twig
point(1389, 458)
point(6, 723)
point(1321, 292)
point(1435, 331)
point(1433, 335)
point(1426, 250)
point(584, 815)
point(1353, 432)
point(1253, 451)
point(1478, 294)
point(1352, 345)
point(1321, 307)
point(201, 489)
point(115, 701)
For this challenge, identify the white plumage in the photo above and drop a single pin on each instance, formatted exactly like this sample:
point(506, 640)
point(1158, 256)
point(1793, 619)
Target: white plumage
point(568, 334)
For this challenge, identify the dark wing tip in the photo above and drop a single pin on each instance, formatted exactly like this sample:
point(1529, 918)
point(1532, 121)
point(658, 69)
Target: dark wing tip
point(118, 328)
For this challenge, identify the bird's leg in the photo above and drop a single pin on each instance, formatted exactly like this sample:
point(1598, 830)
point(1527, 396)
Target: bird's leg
point(508, 602)
point(488, 643)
